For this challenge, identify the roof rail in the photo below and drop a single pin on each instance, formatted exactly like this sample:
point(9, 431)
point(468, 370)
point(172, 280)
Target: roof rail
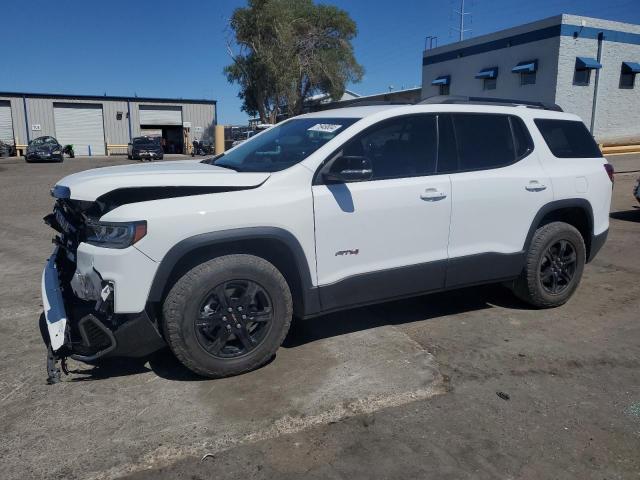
point(460, 99)
point(368, 103)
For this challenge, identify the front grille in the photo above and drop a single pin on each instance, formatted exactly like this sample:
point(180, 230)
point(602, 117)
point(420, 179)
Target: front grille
point(94, 335)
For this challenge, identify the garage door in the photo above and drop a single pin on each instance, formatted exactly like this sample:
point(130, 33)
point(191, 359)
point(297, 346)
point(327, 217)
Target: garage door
point(160, 115)
point(6, 123)
point(81, 126)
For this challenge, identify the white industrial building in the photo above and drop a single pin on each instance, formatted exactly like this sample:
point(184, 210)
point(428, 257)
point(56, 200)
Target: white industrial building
point(588, 66)
point(95, 125)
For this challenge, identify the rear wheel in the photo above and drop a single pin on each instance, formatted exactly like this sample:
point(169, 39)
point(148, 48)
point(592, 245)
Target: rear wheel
point(228, 315)
point(554, 265)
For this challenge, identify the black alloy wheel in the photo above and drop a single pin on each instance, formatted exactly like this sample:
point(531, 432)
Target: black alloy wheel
point(558, 267)
point(233, 318)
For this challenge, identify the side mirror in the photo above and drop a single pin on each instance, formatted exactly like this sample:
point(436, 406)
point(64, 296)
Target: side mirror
point(346, 169)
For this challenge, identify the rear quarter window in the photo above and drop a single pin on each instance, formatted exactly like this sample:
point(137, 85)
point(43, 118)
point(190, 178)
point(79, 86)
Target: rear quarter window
point(568, 138)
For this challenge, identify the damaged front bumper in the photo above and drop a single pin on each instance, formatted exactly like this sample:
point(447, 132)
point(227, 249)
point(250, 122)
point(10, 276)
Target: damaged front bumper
point(80, 321)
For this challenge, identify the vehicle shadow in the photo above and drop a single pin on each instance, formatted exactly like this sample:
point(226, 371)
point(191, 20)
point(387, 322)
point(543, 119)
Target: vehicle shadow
point(400, 312)
point(164, 364)
point(627, 215)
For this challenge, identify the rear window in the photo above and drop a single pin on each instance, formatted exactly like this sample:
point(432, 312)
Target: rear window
point(568, 138)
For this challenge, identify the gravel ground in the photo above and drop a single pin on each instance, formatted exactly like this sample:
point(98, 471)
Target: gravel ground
point(403, 389)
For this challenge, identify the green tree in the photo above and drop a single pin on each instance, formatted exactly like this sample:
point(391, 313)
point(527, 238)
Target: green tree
point(287, 50)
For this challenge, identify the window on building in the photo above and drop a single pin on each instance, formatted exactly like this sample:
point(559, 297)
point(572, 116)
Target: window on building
point(490, 83)
point(442, 82)
point(489, 78)
point(527, 71)
point(584, 65)
point(568, 138)
point(399, 147)
point(582, 77)
point(628, 74)
point(528, 78)
point(627, 80)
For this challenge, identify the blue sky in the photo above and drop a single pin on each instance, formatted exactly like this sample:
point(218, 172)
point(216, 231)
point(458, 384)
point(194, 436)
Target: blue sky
point(178, 49)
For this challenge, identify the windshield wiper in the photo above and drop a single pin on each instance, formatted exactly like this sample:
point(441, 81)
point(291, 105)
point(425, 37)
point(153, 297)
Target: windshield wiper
point(235, 169)
point(212, 159)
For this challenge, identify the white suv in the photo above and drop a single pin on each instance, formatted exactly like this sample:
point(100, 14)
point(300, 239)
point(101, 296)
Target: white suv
point(322, 212)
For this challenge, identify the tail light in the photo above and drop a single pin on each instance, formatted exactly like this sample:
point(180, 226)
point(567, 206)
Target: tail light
point(609, 168)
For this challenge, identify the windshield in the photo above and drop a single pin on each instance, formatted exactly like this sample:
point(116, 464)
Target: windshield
point(284, 145)
point(146, 140)
point(43, 140)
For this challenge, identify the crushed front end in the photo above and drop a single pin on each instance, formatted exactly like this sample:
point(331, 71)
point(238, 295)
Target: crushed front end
point(79, 284)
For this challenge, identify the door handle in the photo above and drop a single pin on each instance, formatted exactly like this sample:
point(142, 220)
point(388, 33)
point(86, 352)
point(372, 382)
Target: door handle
point(535, 186)
point(432, 195)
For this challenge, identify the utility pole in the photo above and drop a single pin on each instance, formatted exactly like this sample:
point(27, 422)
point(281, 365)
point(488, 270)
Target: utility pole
point(461, 13)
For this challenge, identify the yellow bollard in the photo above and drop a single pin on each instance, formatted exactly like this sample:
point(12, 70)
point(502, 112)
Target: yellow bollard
point(219, 139)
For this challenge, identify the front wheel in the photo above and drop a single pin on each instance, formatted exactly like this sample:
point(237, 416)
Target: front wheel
point(554, 265)
point(228, 315)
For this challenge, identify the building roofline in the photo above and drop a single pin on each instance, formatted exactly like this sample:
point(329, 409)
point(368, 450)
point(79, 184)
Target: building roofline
point(487, 37)
point(547, 28)
point(66, 96)
point(555, 26)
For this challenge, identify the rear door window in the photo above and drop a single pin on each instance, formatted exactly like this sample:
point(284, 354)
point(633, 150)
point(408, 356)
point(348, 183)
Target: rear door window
point(484, 141)
point(479, 141)
point(568, 138)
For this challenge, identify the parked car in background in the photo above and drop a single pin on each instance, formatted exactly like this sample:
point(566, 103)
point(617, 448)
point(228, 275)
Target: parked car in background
point(6, 149)
point(145, 148)
point(44, 149)
point(248, 135)
point(636, 190)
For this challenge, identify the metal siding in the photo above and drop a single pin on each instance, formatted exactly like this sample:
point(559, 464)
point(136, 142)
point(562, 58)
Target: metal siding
point(82, 126)
point(40, 112)
point(200, 115)
point(6, 123)
point(160, 115)
point(19, 125)
point(116, 132)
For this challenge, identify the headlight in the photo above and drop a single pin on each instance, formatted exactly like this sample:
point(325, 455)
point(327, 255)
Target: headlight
point(115, 235)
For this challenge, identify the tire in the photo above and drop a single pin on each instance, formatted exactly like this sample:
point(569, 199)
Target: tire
point(541, 276)
point(183, 308)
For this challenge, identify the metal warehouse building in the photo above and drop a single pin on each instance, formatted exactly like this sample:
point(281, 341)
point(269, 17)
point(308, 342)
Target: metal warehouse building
point(586, 65)
point(97, 125)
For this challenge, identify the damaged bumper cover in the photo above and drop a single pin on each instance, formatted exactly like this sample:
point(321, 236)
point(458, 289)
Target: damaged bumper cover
point(79, 316)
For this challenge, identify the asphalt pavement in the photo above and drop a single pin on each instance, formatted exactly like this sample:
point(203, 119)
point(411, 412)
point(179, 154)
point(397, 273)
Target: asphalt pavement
point(465, 384)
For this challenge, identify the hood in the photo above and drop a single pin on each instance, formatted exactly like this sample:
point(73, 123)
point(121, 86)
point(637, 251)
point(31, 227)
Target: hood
point(92, 184)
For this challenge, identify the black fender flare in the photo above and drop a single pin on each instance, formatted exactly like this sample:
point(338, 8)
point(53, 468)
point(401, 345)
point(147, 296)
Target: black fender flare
point(550, 207)
point(179, 251)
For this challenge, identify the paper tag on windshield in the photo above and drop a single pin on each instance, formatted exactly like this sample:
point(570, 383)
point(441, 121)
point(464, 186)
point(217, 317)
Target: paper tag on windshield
point(324, 127)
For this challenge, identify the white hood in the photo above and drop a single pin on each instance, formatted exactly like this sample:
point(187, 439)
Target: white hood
point(91, 184)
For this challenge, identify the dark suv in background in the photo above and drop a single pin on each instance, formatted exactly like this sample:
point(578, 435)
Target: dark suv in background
point(145, 148)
